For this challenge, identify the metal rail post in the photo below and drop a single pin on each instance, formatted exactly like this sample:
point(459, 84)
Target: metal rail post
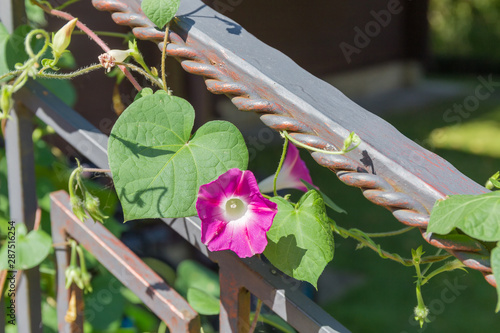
point(59, 237)
point(12, 13)
point(234, 303)
point(23, 206)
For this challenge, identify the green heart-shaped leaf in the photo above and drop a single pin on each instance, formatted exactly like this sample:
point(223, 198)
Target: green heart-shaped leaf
point(29, 250)
point(160, 12)
point(191, 274)
point(202, 302)
point(476, 215)
point(158, 167)
point(300, 241)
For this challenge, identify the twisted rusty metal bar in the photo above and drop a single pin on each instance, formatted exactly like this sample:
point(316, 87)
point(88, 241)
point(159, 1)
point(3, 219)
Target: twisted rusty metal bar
point(219, 80)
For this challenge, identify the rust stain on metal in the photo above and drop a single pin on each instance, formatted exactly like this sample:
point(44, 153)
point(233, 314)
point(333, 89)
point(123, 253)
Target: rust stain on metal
point(227, 83)
point(116, 256)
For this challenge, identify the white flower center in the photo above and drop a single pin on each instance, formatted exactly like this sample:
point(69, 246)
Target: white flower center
point(235, 209)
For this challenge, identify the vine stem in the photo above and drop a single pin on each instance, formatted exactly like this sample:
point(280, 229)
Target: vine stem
point(389, 233)
point(256, 316)
point(13, 73)
point(426, 269)
point(300, 144)
point(67, 3)
point(163, 59)
point(142, 72)
point(92, 35)
point(384, 254)
point(94, 67)
point(282, 160)
point(105, 33)
point(71, 181)
point(71, 75)
point(96, 170)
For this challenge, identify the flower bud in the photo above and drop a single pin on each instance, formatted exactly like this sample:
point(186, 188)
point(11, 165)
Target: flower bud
point(120, 55)
point(62, 38)
point(154, 71)
point(77, 207)
point(134, 51)
point(73, 274)
point(493, 182)
point(421, 313)
point(92, 207)
point(86, 277)
point(5, 100)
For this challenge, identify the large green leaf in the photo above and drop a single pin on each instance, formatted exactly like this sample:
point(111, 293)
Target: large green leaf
point(476, 215)
point(160, 12)
point(495, 265)
point(161, 268)
point(35, 14)
point(202, 302)
point(30, 249)
point(15, 51)
point(158, 167)
point(300, 241)
point(328, 202)
point(191, 274)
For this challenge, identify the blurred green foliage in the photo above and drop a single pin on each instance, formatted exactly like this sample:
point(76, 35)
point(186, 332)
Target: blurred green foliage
point(465, 28)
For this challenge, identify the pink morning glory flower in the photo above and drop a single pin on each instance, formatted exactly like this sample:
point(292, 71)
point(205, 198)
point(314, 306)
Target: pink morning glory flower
point(294, 169)
point(234, 214)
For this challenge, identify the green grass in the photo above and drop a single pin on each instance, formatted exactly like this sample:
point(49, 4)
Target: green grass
point(384, 299)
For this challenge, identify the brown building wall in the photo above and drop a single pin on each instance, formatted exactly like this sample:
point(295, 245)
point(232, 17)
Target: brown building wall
point(312, 32)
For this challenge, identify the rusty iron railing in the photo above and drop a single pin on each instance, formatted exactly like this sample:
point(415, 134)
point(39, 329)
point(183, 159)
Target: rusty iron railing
point(391, 170)
point(238, 277)
point(161, 298)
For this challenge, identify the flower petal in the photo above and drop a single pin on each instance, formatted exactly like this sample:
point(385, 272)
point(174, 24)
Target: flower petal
point(294, 169)
point(245, 235)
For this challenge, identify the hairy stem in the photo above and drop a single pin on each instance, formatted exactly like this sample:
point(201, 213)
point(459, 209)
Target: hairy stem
point(300, 144)
point(142, 72)
point(163, 59)
point(89, 33)
point(71, 75)
point(366, 241)
point(13, 73)
point(105, 33)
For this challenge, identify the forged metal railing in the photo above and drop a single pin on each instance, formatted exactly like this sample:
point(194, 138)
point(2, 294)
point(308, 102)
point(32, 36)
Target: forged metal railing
point(391, 170)
point(238, 277)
